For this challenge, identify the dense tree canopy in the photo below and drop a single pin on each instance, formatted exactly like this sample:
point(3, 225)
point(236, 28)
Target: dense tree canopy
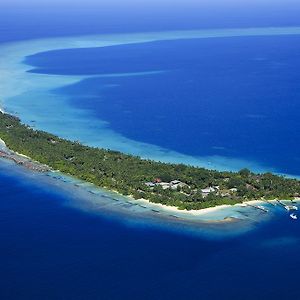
point(129, 174)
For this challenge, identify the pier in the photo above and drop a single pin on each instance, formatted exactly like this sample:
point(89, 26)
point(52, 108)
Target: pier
point(281, 204)
point(174, 216)
point(258, 207)
point(143, 206)
point(287, 207)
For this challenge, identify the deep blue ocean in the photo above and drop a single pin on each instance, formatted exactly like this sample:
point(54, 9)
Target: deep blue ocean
point(50, 250)
point(233, 97)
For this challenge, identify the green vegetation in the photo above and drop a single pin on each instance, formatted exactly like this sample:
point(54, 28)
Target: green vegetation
point(130, 175)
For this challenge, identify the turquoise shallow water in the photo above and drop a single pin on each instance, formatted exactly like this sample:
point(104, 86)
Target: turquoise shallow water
point(57, 243)
point(54, 244)
point(230, 97)
point(215, 102)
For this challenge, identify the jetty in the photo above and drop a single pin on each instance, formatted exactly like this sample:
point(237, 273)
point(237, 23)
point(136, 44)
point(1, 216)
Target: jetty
point(280, 203)
point(173, 216)
point(258, 207)
point(143, 206)
point(287, 207)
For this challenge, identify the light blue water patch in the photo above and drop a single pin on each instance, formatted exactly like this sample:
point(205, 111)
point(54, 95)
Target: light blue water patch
point(56, 112)
point(52, 240)
point(136, 214)
point(219, 97)
point(48, 112)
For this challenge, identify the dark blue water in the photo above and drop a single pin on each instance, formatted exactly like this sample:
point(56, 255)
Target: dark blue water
point(49, 250)
point(52, 251)
point(233, 97)
point(21, 19)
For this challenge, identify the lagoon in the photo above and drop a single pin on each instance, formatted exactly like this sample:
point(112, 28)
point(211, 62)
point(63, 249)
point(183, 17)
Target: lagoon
point(236, 116)
point(57, 243)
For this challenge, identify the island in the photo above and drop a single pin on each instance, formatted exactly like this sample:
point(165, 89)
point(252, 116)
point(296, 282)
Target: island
point(183, 186)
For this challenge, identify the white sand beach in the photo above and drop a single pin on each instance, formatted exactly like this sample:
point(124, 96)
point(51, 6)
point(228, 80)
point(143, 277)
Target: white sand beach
point(16, 82)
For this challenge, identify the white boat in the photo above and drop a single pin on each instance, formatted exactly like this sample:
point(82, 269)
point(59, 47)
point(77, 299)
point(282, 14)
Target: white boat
point(294, 216)
point(291, 207)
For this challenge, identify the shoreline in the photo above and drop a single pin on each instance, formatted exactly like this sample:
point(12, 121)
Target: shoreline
point(66, 158)
point(11, 90)
point(219, 214)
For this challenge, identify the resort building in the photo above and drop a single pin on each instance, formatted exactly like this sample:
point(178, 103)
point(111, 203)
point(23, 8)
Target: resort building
point(174, 184)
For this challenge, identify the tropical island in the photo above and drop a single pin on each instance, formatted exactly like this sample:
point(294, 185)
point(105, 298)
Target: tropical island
point(183, 186)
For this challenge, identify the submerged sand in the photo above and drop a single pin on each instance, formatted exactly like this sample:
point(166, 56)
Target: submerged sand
point(16, 84)
point(21, 93)
point(218, 214)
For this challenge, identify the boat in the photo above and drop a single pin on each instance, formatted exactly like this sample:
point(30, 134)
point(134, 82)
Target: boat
point(294, 216)
point(291, 207)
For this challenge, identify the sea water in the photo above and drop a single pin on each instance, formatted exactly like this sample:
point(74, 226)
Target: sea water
point(51, 249)
point(55, 247)
point(232, 97)
point(222, 109)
